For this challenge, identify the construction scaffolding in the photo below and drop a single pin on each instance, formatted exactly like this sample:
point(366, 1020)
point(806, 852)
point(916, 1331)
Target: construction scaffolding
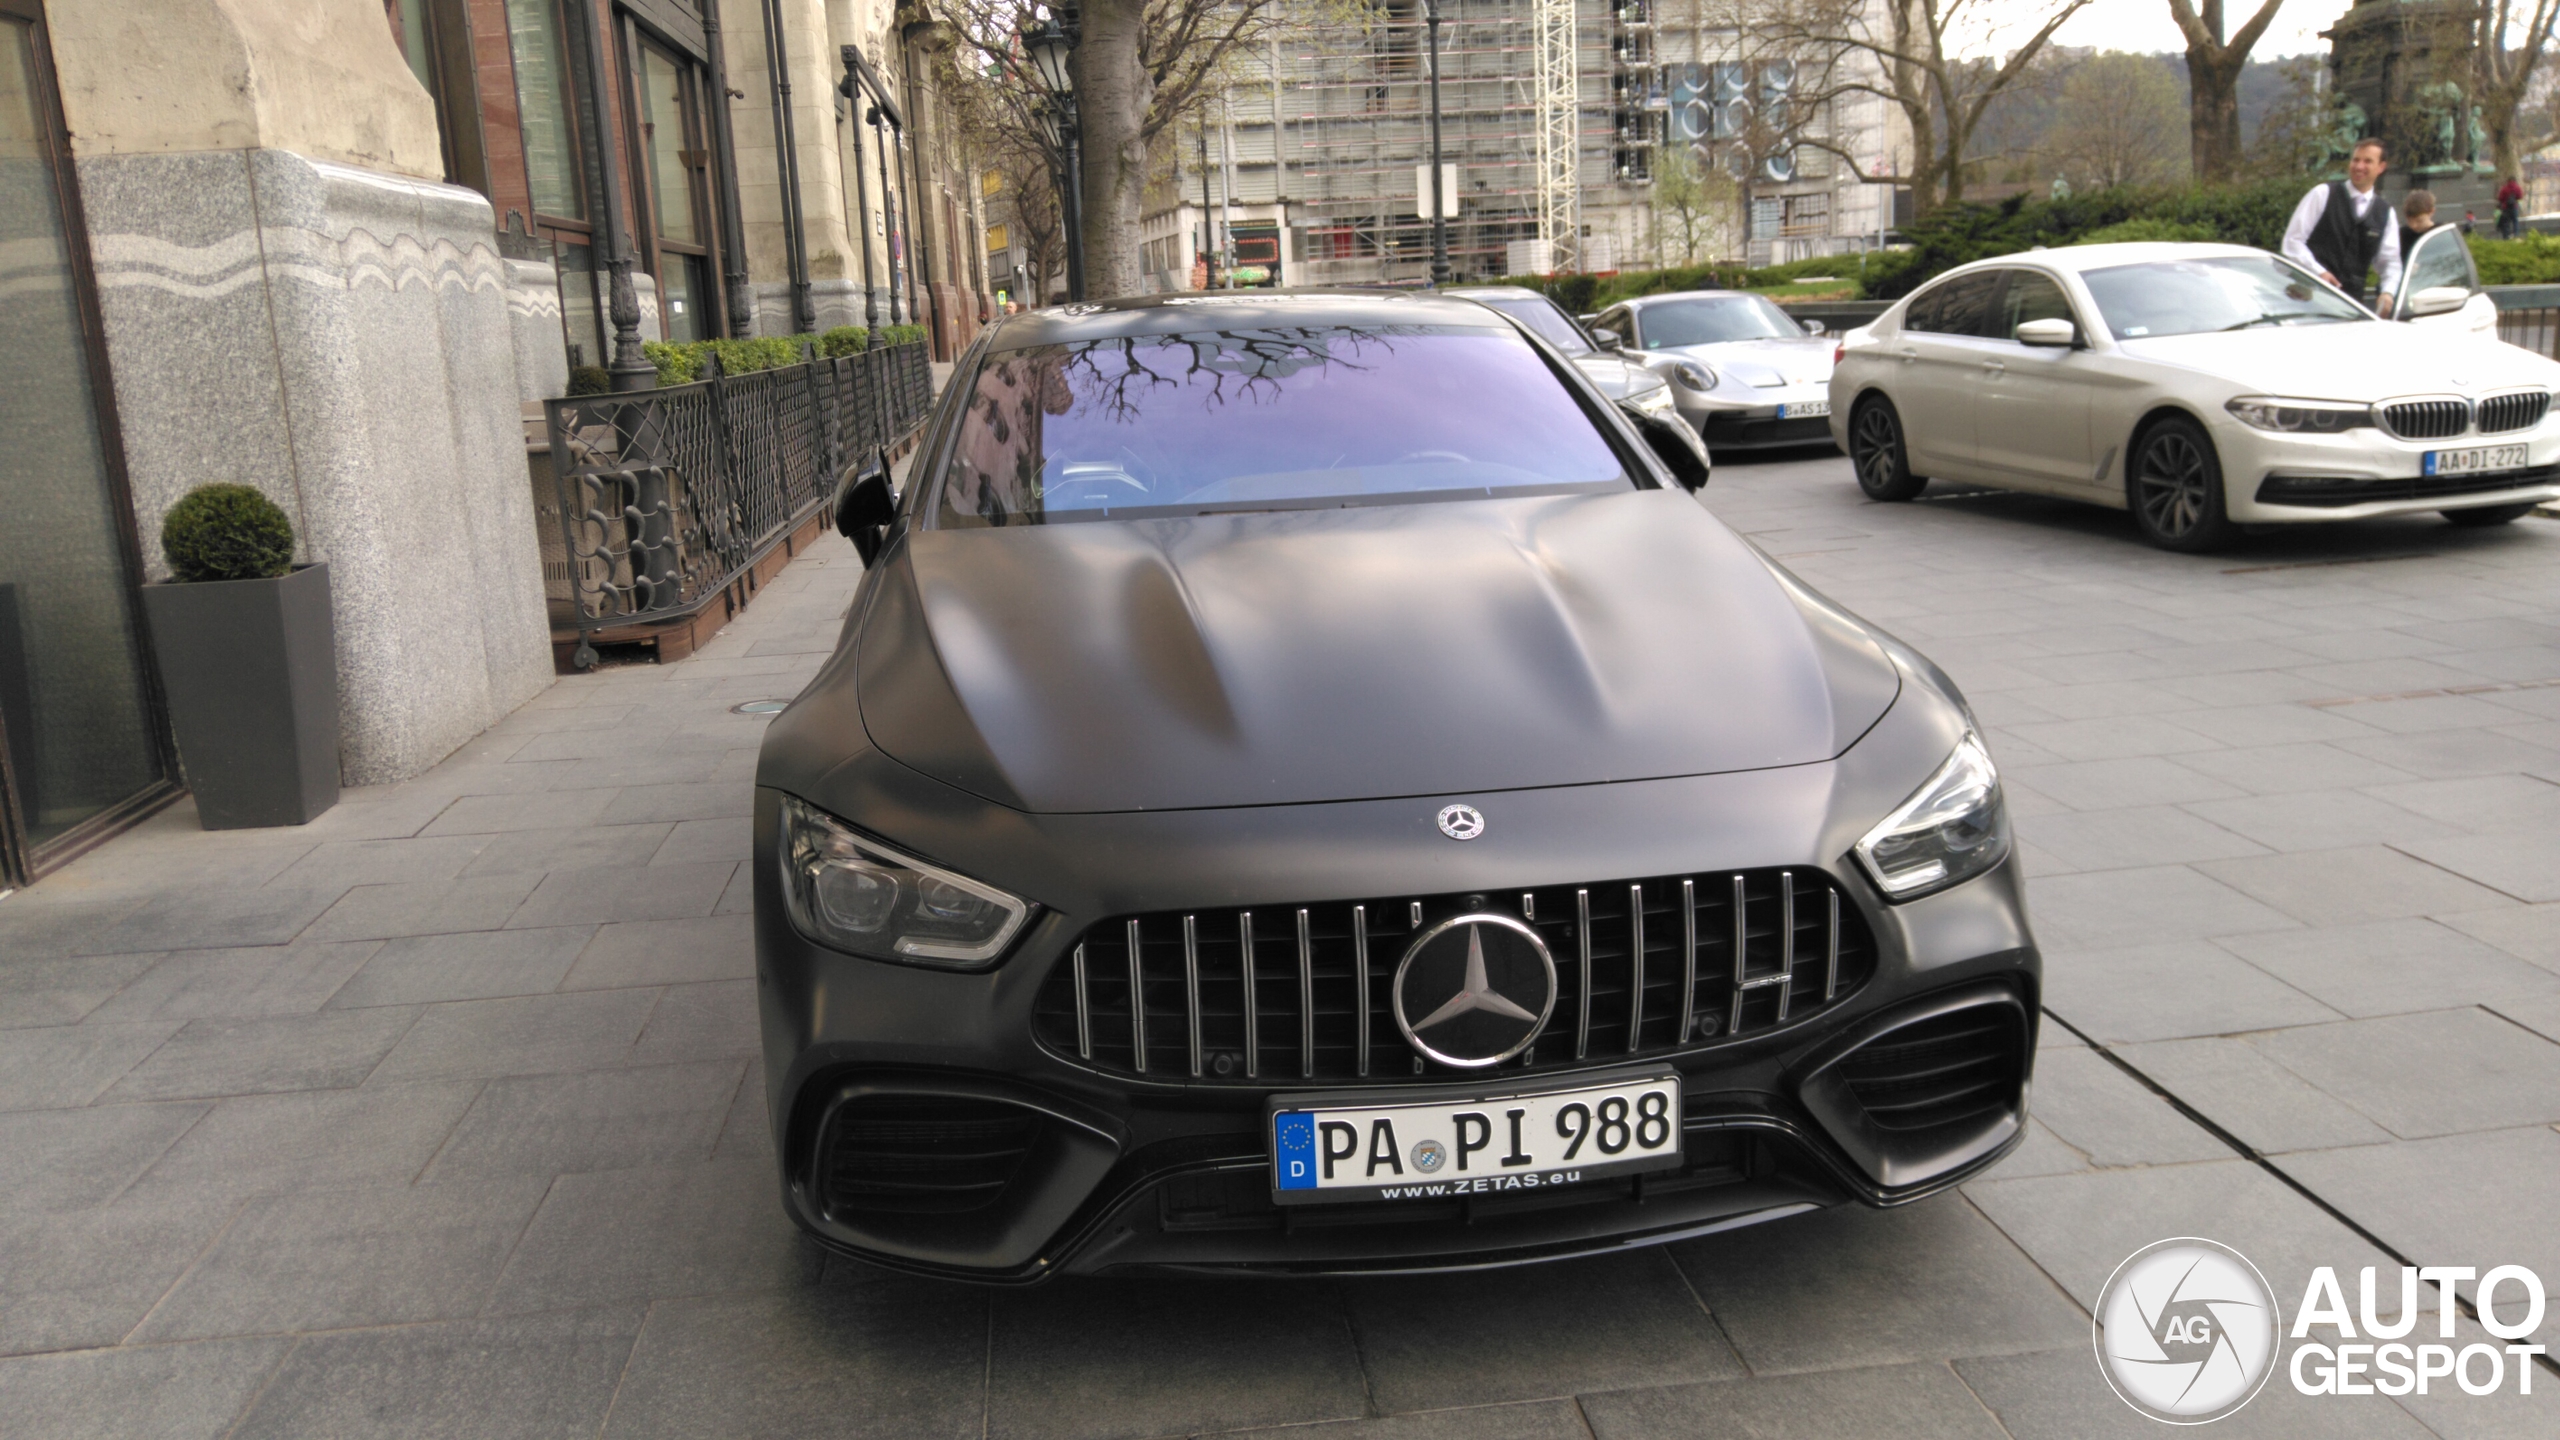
point(1553, 112)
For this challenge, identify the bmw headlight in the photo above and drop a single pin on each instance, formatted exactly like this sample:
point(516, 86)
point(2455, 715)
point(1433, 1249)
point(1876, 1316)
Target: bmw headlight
point(1656, 401)
point(1694, 375)
point(851, 893)
point(2304, 417)
point(1951, 829)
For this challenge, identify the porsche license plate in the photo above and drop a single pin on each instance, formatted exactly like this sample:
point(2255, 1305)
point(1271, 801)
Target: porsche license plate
point(1347, 1147)
point(2480, 460)
point(1804, 409)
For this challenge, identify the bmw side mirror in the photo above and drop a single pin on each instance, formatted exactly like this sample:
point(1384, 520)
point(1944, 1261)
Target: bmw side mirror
point(1607, 339)
point(2049, 334)
point(865, 505)
point(1815, 327)
point(1674, 444)
point(2436, 300)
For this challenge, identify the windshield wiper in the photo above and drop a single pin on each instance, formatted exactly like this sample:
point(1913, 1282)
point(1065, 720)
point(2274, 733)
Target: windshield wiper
point(2278, 317)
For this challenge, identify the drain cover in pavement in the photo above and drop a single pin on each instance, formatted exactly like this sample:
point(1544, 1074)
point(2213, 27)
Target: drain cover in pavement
point(758, 707)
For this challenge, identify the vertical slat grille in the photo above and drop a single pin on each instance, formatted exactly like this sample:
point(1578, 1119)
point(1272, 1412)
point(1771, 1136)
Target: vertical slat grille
point(1643, 967)
point(2500, 413)
point(2427, 419)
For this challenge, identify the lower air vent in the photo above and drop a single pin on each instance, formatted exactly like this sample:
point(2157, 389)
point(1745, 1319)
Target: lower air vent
point(1956, 1069)
point(921, 1154)
point(1929, 1089)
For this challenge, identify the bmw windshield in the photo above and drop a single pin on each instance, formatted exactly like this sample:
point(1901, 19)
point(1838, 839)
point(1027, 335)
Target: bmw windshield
point(1294, 417)
point(2221, 292)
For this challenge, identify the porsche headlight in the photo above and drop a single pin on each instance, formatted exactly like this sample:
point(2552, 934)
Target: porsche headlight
point(2307, 417)
point(850, 893)
point(1694, 375)
point(1656, 401)
point(1950, 830)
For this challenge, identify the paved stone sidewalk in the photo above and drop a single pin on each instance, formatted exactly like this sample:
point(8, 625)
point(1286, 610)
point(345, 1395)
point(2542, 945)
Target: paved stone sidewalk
point(439, 1116)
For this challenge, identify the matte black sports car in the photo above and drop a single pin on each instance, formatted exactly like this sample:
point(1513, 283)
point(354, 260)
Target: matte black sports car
point(1304, 787)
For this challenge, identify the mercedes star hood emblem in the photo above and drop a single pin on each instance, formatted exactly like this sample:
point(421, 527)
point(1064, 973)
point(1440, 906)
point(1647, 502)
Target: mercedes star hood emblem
point(1461, 822)
point(1483, 987)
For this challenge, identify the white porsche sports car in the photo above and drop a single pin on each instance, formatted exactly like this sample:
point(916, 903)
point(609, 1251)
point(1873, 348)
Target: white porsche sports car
point(2202, 387)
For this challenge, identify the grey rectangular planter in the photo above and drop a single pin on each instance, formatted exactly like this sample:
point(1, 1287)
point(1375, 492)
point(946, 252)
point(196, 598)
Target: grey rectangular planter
point(250, 668)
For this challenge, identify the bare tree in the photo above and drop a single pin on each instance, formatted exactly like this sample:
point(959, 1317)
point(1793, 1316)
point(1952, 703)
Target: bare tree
point(1911, 46)
point(1139, 66)
point(2506, 72)
point(1691, 206)
point(2116, 123)
point(2213, 83)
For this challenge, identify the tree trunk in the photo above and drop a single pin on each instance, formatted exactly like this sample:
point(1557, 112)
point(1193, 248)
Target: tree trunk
point(2213, 114)
point(2500, 122)
point(1113, 92)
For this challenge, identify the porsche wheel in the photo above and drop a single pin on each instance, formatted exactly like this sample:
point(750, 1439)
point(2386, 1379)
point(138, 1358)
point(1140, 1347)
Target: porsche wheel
point(2175, 488)
point(1876, 452)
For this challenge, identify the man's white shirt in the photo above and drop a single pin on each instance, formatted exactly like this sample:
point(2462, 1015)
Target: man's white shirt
point(2297, 237)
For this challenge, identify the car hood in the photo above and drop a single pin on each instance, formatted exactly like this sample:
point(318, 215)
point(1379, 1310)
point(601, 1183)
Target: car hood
point(1616, 378)
point(1767, 364)
point(1305, 656)
point(2361, 360)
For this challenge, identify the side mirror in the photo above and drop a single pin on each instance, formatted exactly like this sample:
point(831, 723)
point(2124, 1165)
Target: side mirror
point(2049, 334)
point(1608, 339)
point(1815, 327)
point(1675, 444)
point(2437, 300)
point(865, 506)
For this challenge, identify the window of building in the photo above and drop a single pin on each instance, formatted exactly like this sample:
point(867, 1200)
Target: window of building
point(1807, 215)
point(673, 156)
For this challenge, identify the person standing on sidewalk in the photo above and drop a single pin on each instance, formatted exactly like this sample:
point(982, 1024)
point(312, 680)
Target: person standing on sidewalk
point(2345, 228)
point(2510, 208)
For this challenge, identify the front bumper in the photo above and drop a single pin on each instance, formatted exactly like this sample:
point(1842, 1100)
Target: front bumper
point(1110, 1171)
point(1757, 424)
point(2273, 478)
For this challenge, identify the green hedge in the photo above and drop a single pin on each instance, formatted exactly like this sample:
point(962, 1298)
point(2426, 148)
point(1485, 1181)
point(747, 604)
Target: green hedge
point(2242, 215)
point(2530, 259)
point(681, 363)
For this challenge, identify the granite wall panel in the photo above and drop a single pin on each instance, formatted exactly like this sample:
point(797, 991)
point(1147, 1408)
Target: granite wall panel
point(343, 339)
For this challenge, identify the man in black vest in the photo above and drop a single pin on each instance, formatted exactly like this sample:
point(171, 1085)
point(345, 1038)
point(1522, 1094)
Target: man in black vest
point(2343, 229)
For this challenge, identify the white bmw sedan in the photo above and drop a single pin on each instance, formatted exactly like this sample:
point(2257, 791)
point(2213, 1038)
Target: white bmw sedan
point(2202, 387)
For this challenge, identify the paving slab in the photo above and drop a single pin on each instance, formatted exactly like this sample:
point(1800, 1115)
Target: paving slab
point(615, 1235)
point(480, 965)
point(72, 1159)
point(259, 980)
point(332, 1050)
point(1909, 1402)
point(1610, 1323)
point(2110, 1117)
point(85, 1279)
point(2157, 992)
point(2267, 1107)
point(1933, 1280)
point(2060, 1395)
point(141, 1392)
point(2431, 1073)
point(594, 1120)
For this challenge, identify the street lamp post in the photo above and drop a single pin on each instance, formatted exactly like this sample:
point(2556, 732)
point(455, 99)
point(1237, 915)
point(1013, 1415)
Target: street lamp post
point(1049, 46)
point(1439, 202)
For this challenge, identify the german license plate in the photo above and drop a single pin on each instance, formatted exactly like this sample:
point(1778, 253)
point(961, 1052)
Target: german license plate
point(2480, 460)
point(1346, 1147)
point(1804, 409)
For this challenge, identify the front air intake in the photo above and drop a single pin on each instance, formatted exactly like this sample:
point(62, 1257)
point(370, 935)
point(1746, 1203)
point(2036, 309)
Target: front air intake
point(1929, 1089)
point(921, 1154)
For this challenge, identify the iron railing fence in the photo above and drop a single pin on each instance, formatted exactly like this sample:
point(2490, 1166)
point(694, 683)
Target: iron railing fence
point(667, 496)
point(2535, 327)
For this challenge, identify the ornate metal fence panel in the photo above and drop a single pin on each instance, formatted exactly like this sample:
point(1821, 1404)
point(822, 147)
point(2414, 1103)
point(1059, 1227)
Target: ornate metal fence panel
point(667, 496)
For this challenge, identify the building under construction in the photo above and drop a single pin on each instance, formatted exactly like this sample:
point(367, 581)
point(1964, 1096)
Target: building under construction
point(1311, 167)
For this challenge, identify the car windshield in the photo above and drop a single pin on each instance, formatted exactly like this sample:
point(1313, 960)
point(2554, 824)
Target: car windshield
point(1714, 320)
point(1538, 313)
point(2219, 292)
point(1266, 419)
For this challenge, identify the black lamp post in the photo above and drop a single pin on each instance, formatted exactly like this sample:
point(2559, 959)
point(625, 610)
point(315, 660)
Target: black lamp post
point(1439, 203)
point(1048, 48)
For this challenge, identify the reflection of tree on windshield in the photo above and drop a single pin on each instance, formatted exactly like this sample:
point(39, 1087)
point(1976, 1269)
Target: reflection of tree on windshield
point(1285, 415)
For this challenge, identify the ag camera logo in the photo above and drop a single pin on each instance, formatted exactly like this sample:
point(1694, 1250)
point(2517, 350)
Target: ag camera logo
point(2186, 1330)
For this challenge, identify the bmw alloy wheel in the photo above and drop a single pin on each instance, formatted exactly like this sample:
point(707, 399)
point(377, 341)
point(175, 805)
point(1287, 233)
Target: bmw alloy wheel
point(1875, 450)
point(2177, 488)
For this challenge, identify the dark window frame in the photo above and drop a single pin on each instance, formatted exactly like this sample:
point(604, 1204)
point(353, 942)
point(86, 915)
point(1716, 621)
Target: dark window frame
point(21, 862)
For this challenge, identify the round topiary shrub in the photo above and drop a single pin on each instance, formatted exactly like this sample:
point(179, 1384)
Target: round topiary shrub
point(227, 532)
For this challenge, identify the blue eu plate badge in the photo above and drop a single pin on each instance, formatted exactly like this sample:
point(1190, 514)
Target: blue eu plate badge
point(1293, 1149)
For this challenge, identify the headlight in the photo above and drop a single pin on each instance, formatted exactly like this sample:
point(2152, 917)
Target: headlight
point(1694, 375)
point(850, 893)
point(2311, 417)
point(1656, 401)
point(1951, 829)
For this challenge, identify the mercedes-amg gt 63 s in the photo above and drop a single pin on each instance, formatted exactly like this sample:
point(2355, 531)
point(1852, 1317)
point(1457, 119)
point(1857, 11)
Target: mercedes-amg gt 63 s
point(1305, 786)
